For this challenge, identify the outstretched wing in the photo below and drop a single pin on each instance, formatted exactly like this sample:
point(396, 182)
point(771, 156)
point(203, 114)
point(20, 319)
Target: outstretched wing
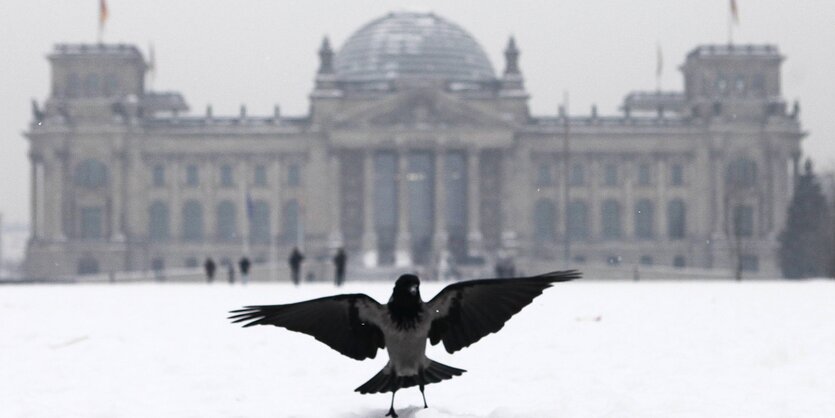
point(465, 312)
point(347, 323)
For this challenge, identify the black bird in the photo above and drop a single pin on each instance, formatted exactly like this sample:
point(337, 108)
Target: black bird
point(356, 325)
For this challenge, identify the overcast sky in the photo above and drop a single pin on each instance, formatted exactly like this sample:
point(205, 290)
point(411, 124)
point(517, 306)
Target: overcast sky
point(263, 52)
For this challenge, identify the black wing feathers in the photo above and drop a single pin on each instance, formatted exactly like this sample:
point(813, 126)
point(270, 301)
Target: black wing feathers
point(334, 320)
point(474, 309)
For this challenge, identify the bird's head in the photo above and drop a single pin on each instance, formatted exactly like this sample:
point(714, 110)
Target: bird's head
point(406, 288)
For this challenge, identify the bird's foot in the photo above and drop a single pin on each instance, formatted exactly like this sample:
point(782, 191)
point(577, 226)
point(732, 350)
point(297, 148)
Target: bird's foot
point(391, 413)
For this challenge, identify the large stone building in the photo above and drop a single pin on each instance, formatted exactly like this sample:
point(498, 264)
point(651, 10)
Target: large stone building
point(413, 145)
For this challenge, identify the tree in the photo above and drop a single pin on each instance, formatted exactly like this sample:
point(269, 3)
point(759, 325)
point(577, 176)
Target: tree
point(806, 243)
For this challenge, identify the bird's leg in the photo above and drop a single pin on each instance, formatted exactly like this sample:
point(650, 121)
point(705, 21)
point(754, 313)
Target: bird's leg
point(424, 397)
point(391, 413)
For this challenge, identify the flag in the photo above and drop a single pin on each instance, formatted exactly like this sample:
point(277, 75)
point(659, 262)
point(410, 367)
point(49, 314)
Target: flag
point(734, 12)
point(103, 14)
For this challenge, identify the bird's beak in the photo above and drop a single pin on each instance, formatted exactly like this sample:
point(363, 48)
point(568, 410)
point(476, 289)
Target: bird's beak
point(413, 289)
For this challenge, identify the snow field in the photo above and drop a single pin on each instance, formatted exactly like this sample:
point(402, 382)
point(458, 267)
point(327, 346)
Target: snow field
point(582, 349)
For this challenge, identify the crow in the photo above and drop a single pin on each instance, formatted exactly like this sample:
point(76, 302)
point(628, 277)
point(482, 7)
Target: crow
point(357, 326)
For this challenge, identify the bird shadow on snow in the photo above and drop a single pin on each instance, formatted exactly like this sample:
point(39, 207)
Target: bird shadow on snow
point(411, 412)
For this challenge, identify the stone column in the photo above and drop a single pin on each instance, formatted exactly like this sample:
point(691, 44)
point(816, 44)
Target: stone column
point(475, 240)
point(629, 213)
point(440, 234)
point(116, 188)
point(403, 246)
point(595, 200)
point(369, 233)
point(175, 213)
point(663, 201)
point(241, 176)
point(35, 187)
point(335, 200)
point(53, 206)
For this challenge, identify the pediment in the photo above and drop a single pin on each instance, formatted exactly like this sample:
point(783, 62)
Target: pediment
point(421, 109)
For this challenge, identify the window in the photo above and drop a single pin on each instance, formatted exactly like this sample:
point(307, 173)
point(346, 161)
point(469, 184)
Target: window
point(613, 260)
point(739, 84)
point(611, 175)
point(158, 221)
point(644, 219)
point(88, 265)
point(743, 218)
point(722, 84)
point(191, 262)
point(611, 219)
point(577, 177)
point(679, 261)
point(226, 176)
point(646, 260)
point(192, 221)
point(91, 223)
point(544, 221)
point(158, 265)
point(226, 225)
point(260, 175)
point(578, 220)
point(758, 84)
point(90, 174)
point(644, 174)
point(741, 173)
point(111, 85)
point(91, 85)
point(192, 176)
point(259, 222)
point(544, 177)
point(676, 219)
point(159, 175)
point(73, 88)
point(677, 175)
point(290, 222)
point(750, 263)
point(294, 175)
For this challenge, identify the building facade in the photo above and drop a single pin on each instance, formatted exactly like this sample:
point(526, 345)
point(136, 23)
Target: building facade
point(413, 147)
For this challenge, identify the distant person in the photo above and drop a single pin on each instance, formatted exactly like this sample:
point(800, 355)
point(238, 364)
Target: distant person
point(210, 268)
point(295, 261)
point(231, 272)
point(244, 264)
point(339, 261)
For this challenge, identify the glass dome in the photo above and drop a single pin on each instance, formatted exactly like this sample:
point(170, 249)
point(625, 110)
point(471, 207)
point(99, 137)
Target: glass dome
point(412, 45)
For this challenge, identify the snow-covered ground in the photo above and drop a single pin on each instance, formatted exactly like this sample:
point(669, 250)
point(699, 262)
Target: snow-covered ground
point(583, 349)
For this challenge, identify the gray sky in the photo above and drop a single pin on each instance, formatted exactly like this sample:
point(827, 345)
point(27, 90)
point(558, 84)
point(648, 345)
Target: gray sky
point(263, 52)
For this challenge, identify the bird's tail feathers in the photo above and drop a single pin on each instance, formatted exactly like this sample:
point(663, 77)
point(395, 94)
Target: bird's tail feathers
point(386, 381)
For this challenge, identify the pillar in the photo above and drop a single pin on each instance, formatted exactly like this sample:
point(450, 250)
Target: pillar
point(369, 233)
point(474, 236)
point(403, 246)
point(440, 234)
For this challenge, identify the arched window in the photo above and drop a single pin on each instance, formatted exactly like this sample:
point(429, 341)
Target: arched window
point(741, 173)
point(676, 219)
point(227, 229)
point(544, 221)
point(644, 219)
point(90, 174)
point(88, 265)
point(158, 221)
point(290, 226)
point(578, 220)
point(192, 221)
point(611, 219)
point(259, 222)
